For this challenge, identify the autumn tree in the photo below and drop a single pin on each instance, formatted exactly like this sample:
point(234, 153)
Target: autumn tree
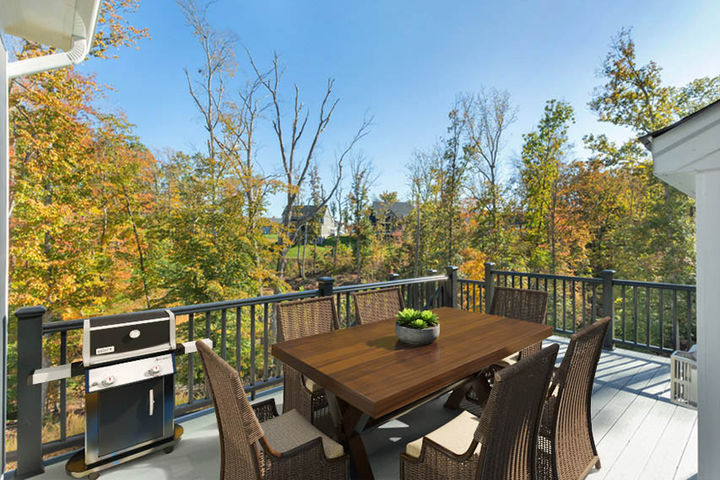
point(362, 178)
point(62, 241)
point(452, 175)
point(543, 152)
point(635, 96)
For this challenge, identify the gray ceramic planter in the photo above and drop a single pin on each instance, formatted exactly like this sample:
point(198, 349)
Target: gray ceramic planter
point(414, 336)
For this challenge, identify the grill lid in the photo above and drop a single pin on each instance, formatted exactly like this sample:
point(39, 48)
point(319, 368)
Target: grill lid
point(118, 337)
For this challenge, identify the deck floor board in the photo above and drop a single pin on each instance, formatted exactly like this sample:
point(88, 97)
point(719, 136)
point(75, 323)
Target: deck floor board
point(639, 433)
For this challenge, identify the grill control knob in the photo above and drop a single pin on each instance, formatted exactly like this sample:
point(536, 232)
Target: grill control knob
point(154, 370)
point(134, 333)
point(107, 381)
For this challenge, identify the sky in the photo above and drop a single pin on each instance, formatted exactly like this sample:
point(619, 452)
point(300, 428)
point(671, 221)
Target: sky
point(403, 63)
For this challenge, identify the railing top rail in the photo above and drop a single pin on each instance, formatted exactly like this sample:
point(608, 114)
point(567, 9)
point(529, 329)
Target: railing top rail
point(68, 325)
point(550, 276)
point(388, 283)
point(661, 285)
point(471, 281)
point(55, 327)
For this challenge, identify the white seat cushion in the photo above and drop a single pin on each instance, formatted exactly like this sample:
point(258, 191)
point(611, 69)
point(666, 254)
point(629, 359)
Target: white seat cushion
point(291, 430)
point(509, 360)
point(456, 436)
point(312, 386)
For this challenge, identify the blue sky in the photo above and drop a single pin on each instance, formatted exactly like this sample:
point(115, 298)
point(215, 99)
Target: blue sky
point(404, 62)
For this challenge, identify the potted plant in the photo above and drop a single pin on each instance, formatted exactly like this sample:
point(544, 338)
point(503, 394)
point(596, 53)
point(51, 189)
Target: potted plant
point(417, 327)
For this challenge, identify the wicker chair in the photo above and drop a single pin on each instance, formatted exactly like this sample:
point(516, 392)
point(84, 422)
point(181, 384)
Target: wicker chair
point(296, 320)
point(501, 443)
point(375, 305)
point(566, 448)
point(522, 304)
point(282, 447)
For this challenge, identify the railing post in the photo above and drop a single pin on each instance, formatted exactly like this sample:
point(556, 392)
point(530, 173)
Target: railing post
point(393, 276)
point(451, 287)
point(430, 289)
point(29, 397)
point(325, 286)
point(489, 284)
point(608, 306)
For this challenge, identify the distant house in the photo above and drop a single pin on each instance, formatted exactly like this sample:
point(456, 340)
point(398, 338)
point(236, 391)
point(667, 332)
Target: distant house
point(302, 216)
point(388, 218)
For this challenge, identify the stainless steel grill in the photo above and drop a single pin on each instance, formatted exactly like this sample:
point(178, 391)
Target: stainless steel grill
point(129, 366)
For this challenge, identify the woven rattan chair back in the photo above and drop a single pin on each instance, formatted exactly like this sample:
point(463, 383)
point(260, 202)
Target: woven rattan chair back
point(520, 303)
point(523, 304)
point(303, 318)
point(299, 319)
point(376, 305)
point(238, 427)
point(573, 445)
point(509, 424)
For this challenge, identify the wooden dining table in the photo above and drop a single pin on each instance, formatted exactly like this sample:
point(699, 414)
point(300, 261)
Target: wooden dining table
point(370, 377)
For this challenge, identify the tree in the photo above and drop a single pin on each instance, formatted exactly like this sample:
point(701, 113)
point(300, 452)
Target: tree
point(65, 234)
point(339, 212)
point(488, 114)
point(297, 158)
point(635, 96)
point(452, 173)
point(542, 155)
point(362, 178)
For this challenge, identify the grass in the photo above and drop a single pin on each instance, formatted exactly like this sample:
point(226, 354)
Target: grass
point(324, 249)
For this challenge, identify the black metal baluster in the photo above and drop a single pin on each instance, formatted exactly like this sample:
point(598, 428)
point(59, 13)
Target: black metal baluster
point(564, 302)
point(191, 359)
point(572, 299)
point(593, 306)
point(347, 309)
point(623, 311)
point(635, 312)
point(208, 324)
point(238, 340)
point(661, 292)
point(647, 315)
point(338, 305)
point(675, 323)
point(266, 342)
point(252, 350)
point(554, 303)
point(688, 320)
point(63, 387)
point(582, 284)
point(223, 334)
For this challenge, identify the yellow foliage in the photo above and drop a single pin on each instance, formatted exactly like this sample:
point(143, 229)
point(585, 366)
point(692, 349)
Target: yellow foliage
point(474, 265)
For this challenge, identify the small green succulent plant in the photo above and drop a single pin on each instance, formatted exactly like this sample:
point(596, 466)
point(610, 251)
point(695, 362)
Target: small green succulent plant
point(412, 318)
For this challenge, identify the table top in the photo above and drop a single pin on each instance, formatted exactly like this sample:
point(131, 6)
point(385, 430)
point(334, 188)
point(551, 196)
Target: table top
point(370, 369)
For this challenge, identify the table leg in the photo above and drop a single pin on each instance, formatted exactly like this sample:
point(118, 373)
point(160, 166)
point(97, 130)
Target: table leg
point(352, 422)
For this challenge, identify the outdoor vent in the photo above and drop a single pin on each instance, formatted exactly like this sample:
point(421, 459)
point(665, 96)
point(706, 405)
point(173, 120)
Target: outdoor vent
point(684, 377)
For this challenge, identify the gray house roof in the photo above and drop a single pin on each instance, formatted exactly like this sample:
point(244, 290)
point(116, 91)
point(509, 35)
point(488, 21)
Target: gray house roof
point(399, 209)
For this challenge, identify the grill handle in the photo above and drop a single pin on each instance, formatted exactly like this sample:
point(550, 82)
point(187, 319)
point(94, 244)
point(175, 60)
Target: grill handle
point(152, 401)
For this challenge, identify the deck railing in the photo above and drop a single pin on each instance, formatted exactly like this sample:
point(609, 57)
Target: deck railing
point(654, 317)
point(242, 331)
point(647, 316)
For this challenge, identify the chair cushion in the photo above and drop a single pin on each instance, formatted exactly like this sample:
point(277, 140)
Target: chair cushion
point(291, 430)
point(509, 360)
point(312, 386)
point(456, 435)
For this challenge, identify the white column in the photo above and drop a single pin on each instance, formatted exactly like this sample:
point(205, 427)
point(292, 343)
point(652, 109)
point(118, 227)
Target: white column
point(707, 188)
point(4, 241)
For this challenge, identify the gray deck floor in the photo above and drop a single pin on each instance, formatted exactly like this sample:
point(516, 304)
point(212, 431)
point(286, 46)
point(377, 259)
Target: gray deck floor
point(639, 433)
